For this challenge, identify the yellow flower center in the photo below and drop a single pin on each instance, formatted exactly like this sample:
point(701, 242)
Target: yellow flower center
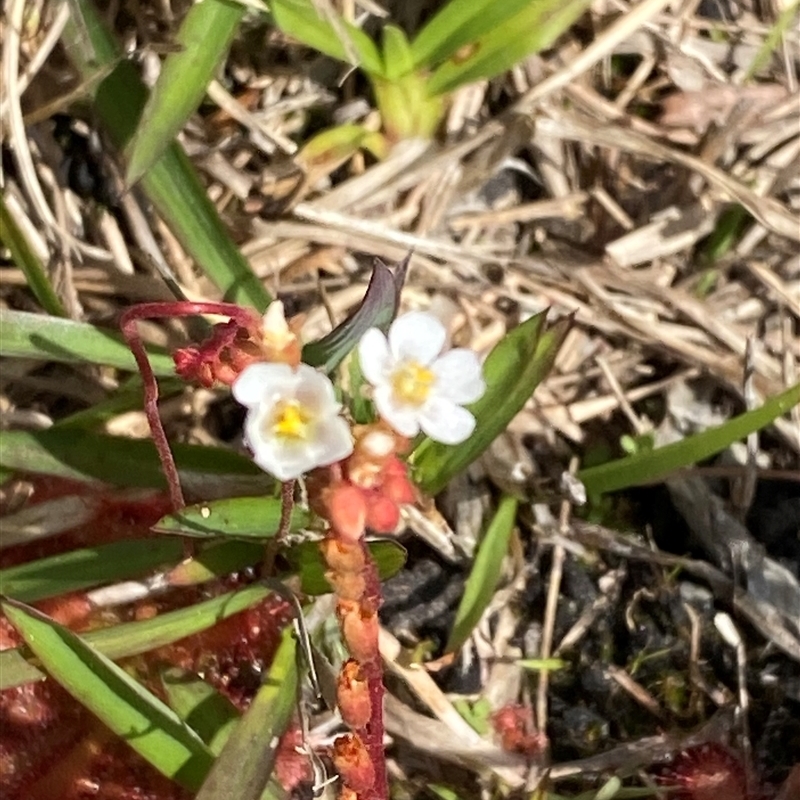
point(412, 383)
point(290, 420)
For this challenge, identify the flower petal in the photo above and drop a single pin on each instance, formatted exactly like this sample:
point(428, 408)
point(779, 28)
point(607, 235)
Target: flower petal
point(258, 381)
point(459, 376)
point(373, 355)
point(332, 441)
point(417, 336)
point(315, 391)
point(446, 422)
point(401, 417)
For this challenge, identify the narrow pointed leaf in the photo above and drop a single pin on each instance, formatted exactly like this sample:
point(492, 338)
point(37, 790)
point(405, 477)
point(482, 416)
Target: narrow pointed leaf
point(26, 259)
point(84, 455)
point(459, 23)
point(535, 27)
point(142, 720)
point(87, 567)
point(27, 335)
point(377, 310)
point(237, 517)
point(397, 57)
point(248, 758)
point(207, 712)
point(171, 183)
point(653, 465)
point(512, 371)
point(485, 573)
point(133, 638)
point(300, 18)
point(204, 36)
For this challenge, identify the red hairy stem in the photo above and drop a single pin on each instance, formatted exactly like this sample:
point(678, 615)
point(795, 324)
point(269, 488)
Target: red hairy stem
point(127, 324)
point(373, 671)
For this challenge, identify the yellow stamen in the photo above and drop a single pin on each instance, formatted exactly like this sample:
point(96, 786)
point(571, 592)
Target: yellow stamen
point(412, 383)
point(290, 420)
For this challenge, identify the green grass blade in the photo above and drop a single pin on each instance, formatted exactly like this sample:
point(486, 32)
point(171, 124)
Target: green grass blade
point(459, 23)
point(485, 573)
point(300, 19)
point(204, 36)
point(138, 717)
point(512, 371)
point(248, 758)
point(27, 335)
point(207, 712)
point(653, 465)
point(535, 27)
point(236, 517)
point(133, 638)
point(85, 455)
point(24, 257)
point(87, 567)
point(397, 56)
point(171, 183)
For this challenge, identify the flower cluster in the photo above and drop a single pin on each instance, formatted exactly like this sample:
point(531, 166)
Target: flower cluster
point(356, 478)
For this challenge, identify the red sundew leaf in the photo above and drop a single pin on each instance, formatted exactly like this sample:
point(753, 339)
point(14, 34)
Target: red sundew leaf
point(706, 772)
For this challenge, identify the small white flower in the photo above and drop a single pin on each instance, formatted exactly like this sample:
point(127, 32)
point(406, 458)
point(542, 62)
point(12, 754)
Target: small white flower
point(414, 386)
point(293, 422)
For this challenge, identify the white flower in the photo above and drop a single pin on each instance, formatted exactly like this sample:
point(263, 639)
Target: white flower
point(293, 422)
point(414, 386)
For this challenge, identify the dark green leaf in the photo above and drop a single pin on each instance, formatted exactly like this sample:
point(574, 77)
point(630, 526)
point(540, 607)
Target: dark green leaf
point(377, 310)
point(237, 517)
point(84, 455)
point(207, 712)
point(485, 573)
point(248, 758)
point(204, 36)
point(27, 335)
point(87, 568)
point(649, 466)
point(512, 371)
point(127, 708)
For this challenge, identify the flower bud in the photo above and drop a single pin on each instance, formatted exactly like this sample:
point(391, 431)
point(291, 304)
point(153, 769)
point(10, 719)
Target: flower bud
point(353, 763)
point(342, 556)
point(352, 695)
point(347, 511)
point(359, 628)
point(347, 585)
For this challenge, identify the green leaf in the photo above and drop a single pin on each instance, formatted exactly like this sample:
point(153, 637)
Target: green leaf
point(237, 517)
point(306, 560)
point(514, 368)
point(26, 259)
point(532, 29)
point(142, 720)
point(27, 335)
point(459, 23)
point(204, 36)
point(300, 18)
point(377, 310)
point(88, 567)
point(397, 57)
point(248, 758)
point(84, 455)
point(171, 183)
point(485, 573)
point(207, 712)
point(133, 638)
point(649, 466)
